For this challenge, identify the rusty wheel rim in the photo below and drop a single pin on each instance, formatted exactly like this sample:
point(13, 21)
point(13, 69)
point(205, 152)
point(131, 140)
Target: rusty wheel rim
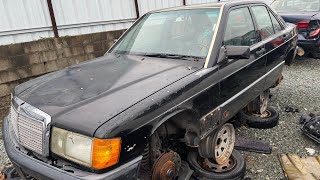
point(266, 114)
point(264, 99)
point(224, 143)
point(211, 166)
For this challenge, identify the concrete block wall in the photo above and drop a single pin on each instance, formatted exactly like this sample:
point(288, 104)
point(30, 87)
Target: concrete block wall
point(23, 61)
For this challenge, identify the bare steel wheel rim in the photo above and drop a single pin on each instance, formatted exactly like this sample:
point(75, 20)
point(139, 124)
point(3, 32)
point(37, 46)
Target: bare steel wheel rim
point(224, 143)
point(264, 99)
point(265, 114)
point(211, 166)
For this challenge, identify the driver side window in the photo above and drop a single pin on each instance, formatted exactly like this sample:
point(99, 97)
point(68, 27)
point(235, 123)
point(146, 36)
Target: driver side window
point(240, 28)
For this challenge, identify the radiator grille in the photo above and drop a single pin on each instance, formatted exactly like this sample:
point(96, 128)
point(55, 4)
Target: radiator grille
point(28, 131)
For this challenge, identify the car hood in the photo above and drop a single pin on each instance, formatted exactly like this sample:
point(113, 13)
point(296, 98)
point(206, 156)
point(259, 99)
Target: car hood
point(82, 97)
point(294, 17)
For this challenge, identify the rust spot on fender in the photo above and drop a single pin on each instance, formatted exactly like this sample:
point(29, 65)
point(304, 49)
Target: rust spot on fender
point(226, 114)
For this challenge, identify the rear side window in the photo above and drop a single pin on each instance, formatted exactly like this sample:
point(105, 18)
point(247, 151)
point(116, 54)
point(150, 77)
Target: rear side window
point(240, 28)
point(276, 25)
point(264, 23)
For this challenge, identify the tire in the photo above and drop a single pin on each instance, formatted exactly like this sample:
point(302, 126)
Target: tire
point(237, 172)
point(260, 122)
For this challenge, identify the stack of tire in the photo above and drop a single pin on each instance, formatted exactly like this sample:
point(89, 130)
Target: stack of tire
point(259, 122)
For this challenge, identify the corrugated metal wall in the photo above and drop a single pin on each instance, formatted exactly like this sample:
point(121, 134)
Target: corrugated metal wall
point(149, 5)
point(189, 2)
point(75, 17)
point(28, 20)
point(22, 20)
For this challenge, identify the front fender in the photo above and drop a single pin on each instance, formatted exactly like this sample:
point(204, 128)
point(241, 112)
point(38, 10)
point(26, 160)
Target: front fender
point(198, 129)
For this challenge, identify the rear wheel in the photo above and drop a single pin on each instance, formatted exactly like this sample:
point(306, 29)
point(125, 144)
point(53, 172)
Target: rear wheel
point(258, 115)
point(207, 168)
point(259, 105)
point(267, 120)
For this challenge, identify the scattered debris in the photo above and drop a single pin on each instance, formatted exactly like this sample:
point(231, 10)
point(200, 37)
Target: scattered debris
point(305, 117)
point(310, 151)
point(252, 145)
point(311, 126)
point(9, 172)
point(291, 109)
point(260, 170)
point(302, 168)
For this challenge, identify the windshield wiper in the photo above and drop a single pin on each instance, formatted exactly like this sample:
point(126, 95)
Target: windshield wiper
point(174, 56)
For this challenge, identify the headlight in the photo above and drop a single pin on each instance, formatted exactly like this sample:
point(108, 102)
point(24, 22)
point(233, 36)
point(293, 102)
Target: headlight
point(91, 152)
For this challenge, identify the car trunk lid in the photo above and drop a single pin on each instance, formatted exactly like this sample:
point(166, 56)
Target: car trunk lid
point(306, 23)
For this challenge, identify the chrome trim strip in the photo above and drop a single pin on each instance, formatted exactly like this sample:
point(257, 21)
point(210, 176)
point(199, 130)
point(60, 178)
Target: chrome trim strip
point(251, 85)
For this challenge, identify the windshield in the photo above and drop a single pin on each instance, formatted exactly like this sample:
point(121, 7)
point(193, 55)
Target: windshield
point(296, 5)
point(180, 33)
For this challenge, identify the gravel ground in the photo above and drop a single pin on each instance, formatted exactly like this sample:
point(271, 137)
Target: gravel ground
point(3, 156)
point(300, 89)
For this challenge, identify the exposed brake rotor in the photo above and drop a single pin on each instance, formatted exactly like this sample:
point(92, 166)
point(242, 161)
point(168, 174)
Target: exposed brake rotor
point(166, 166)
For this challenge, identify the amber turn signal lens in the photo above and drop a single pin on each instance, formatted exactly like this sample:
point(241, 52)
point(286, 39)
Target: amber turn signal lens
point(105, 152)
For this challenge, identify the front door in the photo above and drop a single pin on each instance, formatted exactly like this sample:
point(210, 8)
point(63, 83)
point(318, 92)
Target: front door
point(241, 79)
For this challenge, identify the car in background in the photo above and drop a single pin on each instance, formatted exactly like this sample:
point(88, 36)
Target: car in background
point(306, 15)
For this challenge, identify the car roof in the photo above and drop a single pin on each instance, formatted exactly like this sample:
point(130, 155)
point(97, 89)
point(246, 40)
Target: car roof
point(211, 5)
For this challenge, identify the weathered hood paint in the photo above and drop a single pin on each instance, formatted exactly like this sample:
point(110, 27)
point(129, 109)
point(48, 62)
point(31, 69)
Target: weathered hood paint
point(82, 97)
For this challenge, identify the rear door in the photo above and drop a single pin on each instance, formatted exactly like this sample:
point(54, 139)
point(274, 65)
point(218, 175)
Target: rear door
point(240, 78)
point(275, 37)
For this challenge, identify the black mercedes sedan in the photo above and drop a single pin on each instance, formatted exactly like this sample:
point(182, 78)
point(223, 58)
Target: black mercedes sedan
point(306, 15)
point(157, 105)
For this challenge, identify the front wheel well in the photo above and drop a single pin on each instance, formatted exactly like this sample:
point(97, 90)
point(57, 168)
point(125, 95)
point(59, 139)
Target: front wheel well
point(186, 125)
point(167, 137)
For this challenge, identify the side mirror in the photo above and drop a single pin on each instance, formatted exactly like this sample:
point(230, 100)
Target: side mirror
point(238, 52)
point(222, 55)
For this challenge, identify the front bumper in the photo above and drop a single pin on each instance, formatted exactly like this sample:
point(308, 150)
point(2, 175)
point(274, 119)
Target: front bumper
point(26, 165)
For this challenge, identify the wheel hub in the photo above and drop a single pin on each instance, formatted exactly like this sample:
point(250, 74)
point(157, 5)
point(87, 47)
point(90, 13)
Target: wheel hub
point(166, 167)
point(266, 114)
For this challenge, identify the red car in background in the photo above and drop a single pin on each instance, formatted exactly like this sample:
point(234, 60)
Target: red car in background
point(306, 15)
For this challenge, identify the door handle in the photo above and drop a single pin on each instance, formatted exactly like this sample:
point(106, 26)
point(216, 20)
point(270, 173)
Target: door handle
point(260, 51)
point(285, 36)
